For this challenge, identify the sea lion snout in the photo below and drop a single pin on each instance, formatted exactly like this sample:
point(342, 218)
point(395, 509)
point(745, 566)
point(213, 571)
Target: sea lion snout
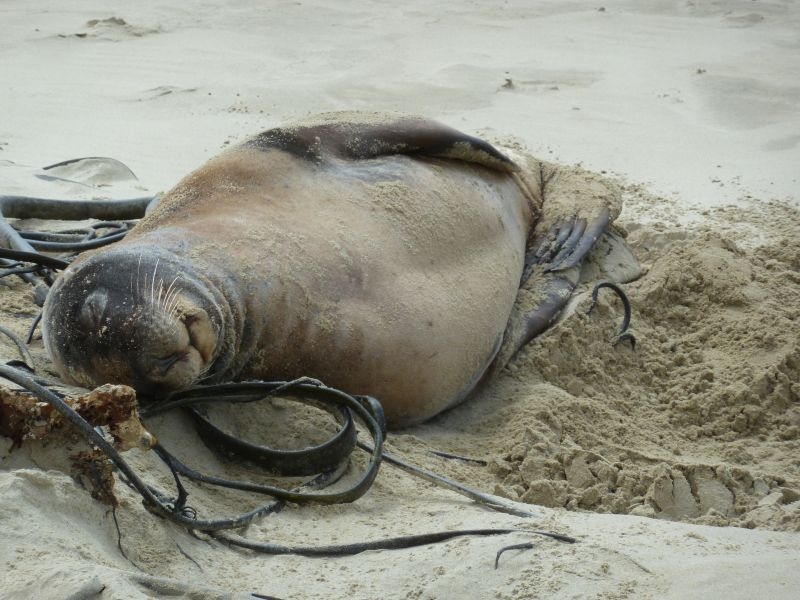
point(174, 349)
point(145, 322)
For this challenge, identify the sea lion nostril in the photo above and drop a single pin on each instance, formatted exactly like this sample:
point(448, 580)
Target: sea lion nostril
point(188, 320)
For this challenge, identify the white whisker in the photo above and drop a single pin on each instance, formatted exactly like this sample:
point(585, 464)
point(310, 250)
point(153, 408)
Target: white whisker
point(153, 285)
point(138, 271)
point(169, 291)
point(169, 307)
point(171, 297)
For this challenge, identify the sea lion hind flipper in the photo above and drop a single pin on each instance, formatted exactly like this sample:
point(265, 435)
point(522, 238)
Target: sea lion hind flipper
point(577, 207)
point(546, 291)
point(539, 304)
point(361, 136)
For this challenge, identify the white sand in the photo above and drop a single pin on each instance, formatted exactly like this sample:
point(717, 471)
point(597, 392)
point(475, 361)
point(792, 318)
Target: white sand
point(696, 105)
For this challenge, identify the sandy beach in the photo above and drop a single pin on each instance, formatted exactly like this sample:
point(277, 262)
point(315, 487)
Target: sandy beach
point(675, 465)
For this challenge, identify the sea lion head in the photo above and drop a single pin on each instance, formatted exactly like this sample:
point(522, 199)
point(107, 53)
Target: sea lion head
point(139, 316)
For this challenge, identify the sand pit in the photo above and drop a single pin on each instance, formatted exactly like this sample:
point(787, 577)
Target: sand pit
point(674, 464)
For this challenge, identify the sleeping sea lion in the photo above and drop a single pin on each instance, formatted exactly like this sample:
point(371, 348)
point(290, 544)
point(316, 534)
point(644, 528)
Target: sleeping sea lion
point(384, 255)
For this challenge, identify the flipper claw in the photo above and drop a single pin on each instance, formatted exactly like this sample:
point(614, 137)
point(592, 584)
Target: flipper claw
point(554, 241)
point(569, 245)
point(575, 251)
point(549, 246)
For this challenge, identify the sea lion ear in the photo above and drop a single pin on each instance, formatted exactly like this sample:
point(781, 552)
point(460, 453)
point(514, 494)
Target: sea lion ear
point(93, 310)
point(360, 136)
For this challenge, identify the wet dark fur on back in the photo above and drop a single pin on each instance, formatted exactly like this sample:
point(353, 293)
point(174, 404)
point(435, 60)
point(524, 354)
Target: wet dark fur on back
point(359, 141)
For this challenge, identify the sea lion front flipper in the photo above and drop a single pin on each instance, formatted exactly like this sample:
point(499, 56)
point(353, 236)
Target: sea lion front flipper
point(361, 136)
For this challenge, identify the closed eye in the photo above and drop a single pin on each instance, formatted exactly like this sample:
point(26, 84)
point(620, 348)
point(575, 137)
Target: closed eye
point(93, 310)
point(166, 363)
